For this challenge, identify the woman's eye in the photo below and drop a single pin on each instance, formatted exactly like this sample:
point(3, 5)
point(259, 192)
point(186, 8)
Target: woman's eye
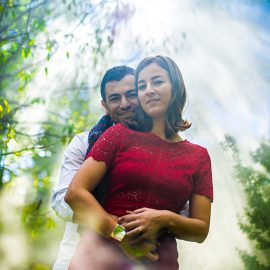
point(158, 82)
point(142, 87)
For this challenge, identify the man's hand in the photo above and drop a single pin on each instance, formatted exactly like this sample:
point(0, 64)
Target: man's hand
point(114, 217)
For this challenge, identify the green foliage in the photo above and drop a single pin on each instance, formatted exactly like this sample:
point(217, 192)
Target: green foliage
point(251, 262)
point(19, 27)
point(22, 23)
point(256, 183)
point(27, 45)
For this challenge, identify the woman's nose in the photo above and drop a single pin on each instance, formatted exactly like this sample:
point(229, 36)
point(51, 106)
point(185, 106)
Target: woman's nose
point(150, 89)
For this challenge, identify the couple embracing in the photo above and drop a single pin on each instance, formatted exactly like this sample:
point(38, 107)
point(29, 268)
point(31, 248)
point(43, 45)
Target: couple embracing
point(137, 175)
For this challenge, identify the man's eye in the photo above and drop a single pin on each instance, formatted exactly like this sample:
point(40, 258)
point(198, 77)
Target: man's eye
point(133, 94)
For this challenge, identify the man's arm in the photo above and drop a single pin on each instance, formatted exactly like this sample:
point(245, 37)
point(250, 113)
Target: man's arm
point(74, 157)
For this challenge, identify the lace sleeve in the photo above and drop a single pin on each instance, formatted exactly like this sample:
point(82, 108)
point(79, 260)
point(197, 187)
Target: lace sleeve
point(203, 178)
point(106, 146)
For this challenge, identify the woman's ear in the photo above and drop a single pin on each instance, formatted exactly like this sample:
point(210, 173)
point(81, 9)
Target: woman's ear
point(104, 105)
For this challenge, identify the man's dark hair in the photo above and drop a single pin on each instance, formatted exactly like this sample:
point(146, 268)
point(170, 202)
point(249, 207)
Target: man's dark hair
point(114, 74)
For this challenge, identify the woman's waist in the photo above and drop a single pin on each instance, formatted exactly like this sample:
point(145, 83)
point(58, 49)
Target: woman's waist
point(120, 207)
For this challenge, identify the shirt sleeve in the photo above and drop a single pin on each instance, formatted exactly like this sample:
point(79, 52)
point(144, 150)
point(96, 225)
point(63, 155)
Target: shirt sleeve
point(203, 178)
point(74, 157)
point(107, 145)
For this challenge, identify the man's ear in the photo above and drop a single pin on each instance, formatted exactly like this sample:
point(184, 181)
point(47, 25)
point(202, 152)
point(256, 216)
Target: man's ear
point(104, 105)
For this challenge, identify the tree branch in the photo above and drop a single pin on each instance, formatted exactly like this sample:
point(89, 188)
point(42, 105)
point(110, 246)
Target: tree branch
point(31, 148)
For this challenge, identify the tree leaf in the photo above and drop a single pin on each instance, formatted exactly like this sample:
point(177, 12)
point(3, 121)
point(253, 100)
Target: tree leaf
point(23, 54)
point(1, 110)
point(7, 105)
point(50, 224)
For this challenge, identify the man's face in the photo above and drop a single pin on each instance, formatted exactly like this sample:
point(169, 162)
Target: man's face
point(121, 98)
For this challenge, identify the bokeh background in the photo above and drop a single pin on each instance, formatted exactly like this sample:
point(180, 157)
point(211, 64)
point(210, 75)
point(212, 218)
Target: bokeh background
point(53, 55)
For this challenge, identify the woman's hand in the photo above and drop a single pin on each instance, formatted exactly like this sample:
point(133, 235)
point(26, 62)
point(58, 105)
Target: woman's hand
point(142, 224)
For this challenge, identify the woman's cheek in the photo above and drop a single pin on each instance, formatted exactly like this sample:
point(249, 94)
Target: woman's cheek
point(142, 100)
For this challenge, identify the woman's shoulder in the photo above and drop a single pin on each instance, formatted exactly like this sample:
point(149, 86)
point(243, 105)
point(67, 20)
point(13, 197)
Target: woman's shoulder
point(122, 128)
point(118, 131)
point(117, 128)
point(196, 148)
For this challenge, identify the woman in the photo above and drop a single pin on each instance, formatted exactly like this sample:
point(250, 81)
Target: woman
point(152, 174)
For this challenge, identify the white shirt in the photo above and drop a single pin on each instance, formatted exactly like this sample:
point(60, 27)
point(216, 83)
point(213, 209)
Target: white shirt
point(74, 157)
point(73, 160)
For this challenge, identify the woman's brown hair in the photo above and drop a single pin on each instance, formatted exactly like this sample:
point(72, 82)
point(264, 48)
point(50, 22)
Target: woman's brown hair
point(174, 120)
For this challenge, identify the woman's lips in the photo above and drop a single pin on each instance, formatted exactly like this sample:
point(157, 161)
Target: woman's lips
point(152, 100)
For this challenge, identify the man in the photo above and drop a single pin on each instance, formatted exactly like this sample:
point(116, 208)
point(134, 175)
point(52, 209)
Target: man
point(119, 99)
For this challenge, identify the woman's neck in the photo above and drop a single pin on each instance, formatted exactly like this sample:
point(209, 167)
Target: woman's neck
point(159, 132)
point(158, 129)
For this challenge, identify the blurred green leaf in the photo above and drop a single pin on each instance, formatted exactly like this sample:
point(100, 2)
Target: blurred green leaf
point(256, 183)
point(50, 224)
point(10, 3)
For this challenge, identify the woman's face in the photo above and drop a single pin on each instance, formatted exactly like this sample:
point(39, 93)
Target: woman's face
point(154, 90)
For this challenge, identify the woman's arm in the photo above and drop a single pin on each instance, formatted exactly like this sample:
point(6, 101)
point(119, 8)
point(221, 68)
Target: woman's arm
point(87, 211)
point(147, 223)
point(194, 228)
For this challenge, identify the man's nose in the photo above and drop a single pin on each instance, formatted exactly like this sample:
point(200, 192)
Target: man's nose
point(124, 103)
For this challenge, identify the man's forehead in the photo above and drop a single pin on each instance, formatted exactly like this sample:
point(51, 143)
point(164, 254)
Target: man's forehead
point(127, 80)
point(127, 83)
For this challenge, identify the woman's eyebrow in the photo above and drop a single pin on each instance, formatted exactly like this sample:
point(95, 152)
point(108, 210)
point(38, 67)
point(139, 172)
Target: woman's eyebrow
point(156, 77)
point(152, 78)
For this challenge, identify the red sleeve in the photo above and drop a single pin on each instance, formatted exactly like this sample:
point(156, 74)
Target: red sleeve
point(106, 146)
point(203, 178)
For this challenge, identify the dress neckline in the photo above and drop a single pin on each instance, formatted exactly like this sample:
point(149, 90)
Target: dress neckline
point(155, 137)
point(164, 141)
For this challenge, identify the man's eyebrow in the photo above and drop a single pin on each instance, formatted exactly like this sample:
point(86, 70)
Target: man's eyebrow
point(113, 95)
point(131, 90)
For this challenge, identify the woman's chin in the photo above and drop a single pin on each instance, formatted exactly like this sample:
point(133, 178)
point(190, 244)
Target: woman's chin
point(156, 114)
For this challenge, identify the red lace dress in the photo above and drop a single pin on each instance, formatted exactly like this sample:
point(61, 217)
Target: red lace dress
point(146, 171)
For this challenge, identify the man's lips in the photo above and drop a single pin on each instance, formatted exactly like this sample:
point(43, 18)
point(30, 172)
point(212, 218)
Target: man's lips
point(152, 100)
point(126, 113)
